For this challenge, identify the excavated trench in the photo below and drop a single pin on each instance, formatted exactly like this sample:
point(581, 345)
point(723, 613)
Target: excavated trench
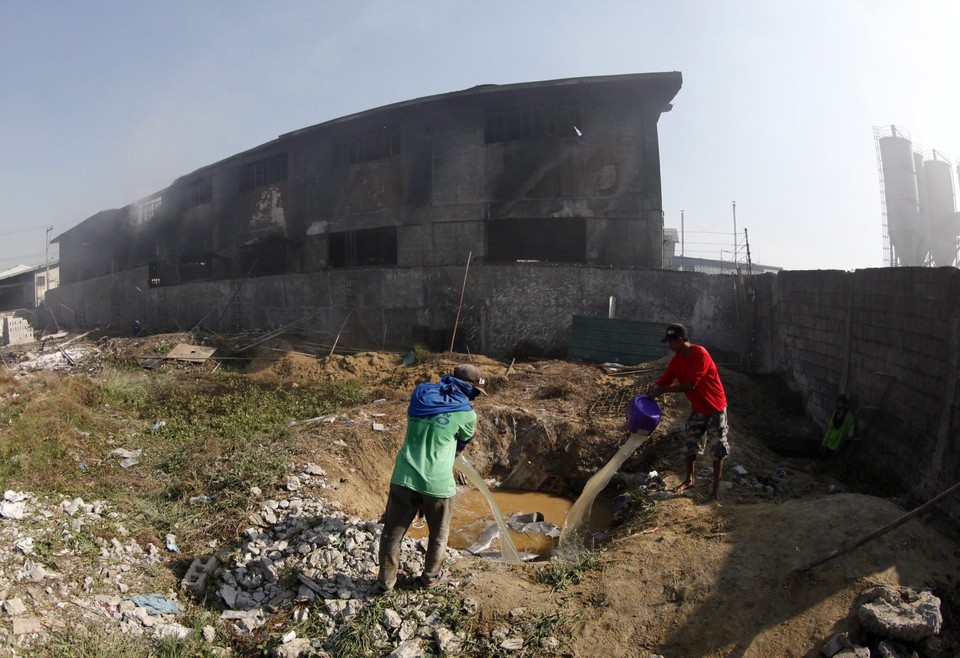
point(535, 466)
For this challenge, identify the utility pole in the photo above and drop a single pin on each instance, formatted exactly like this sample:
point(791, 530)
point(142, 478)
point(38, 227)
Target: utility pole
point(681, 241)
point(735, 235)
point(46, 258)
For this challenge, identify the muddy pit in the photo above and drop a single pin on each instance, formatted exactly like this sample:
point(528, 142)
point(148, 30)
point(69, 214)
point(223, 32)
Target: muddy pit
point(695, 577)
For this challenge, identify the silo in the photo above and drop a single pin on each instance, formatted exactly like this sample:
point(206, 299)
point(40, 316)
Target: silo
point(938, 173)
point(907, 235)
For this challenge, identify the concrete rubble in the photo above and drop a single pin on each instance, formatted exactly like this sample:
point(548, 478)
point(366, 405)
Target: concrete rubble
point(898, 622)
point(302, 558)
point(300, 554)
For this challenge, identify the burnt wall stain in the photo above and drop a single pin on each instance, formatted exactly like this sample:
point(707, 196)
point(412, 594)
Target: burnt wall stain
point(573, 161)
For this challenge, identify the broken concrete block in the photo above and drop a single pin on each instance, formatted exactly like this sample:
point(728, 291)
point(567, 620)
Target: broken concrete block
point(14, 607)
point(854, 652)
point(901, 614)
point(26, 625)
point(198, 575)
point(835, 644)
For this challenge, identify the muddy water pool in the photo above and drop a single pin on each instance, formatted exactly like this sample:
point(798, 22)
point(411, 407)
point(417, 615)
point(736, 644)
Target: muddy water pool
point(472, 516)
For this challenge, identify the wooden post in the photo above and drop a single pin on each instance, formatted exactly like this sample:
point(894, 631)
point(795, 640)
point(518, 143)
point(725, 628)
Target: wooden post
point(463, 289)
point(337, 339)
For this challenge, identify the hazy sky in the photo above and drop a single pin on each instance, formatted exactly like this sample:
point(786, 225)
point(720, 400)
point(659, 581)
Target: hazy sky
point(104, 102)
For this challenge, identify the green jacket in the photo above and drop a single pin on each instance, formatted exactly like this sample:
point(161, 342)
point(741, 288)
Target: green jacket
point(425, 462)
point(835, 436)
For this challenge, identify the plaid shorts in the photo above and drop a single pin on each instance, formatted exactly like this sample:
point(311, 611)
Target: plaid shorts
point(703, 430)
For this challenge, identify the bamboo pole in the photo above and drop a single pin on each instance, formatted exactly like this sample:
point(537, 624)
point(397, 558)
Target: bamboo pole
point(337, 339)
point(879, 531)
point(463, 289)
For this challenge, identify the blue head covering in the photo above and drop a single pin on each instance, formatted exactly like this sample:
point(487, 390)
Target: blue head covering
point(450, 394)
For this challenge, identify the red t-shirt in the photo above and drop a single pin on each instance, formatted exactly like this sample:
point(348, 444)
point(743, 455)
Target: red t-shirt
point(707, 395)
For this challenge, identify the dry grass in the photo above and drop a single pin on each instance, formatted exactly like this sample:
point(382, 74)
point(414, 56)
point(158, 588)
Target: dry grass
point(222, 434)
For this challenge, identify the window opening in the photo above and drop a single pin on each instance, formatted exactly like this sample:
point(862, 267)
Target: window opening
point(198, 193)
point(153, 275)
point(553, 240)
point(148, 209)
point(196, 267)
point(373, 246)
point(368, 145)
point(261, 173)
point(506, 124)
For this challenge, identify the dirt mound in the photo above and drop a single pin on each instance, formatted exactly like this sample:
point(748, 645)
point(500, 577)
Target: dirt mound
point(689, 576)
point(700, 577)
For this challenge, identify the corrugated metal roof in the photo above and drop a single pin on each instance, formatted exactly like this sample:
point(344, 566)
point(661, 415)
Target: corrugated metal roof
point(17, 270)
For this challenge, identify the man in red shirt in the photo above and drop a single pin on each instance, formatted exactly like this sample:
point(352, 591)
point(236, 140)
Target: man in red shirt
point(696, 376)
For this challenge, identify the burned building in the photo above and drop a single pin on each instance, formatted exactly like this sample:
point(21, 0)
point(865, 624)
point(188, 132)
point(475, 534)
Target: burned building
point(561, 172)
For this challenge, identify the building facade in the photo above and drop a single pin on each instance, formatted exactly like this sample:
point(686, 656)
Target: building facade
point(563, 171)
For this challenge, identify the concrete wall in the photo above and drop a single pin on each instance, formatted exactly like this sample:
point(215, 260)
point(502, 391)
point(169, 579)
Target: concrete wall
point(888, 338)
point(503, 305)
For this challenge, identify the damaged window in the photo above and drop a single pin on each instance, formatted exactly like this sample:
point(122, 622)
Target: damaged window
point(267, 171)
point(198, 193)
point(196, 267)
point(372, 246)
point(552, 240)
point(153, 275)
point(529, 122)
point(366, 146)
point(148, 209)
point(266, 257)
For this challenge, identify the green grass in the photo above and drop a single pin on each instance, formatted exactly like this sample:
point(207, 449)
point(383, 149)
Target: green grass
point(95, 641)
point(90, 641)
point(222, 433)
point(561, 573)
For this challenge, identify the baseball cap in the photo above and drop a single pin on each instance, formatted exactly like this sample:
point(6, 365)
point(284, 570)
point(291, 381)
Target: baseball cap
point(470, 373)
point(675, 331)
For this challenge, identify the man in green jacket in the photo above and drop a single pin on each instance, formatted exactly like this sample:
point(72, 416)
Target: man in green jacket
point(840, 427)
point(440, 423)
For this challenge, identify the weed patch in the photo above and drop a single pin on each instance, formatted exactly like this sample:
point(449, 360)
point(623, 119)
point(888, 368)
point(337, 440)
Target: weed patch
point(560, 573)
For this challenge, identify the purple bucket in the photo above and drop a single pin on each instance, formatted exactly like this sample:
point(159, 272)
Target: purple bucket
point(643, 414)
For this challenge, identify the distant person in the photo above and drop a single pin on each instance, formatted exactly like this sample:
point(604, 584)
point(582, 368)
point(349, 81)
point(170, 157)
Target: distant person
point(440, 423)
point(696, 376)
point(840, 427)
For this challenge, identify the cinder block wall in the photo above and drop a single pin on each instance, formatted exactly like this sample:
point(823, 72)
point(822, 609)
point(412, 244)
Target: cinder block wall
point(888, 338)
point(502, 305)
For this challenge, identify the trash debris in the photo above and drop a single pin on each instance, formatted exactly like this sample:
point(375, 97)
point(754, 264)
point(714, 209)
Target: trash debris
point(191, 353)
point(155, 604)
point(199, 499)
point(9, 510)
point(127, 463)
point(156, 426)
point(126, 454)
point(171, 541)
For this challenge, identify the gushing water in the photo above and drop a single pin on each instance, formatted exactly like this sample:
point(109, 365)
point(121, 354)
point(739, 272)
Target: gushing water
point(507, 549)
point(643, 416)
point(579, 515)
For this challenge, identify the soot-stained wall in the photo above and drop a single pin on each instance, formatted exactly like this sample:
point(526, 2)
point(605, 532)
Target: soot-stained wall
point(887, 337)
point(563, 171)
